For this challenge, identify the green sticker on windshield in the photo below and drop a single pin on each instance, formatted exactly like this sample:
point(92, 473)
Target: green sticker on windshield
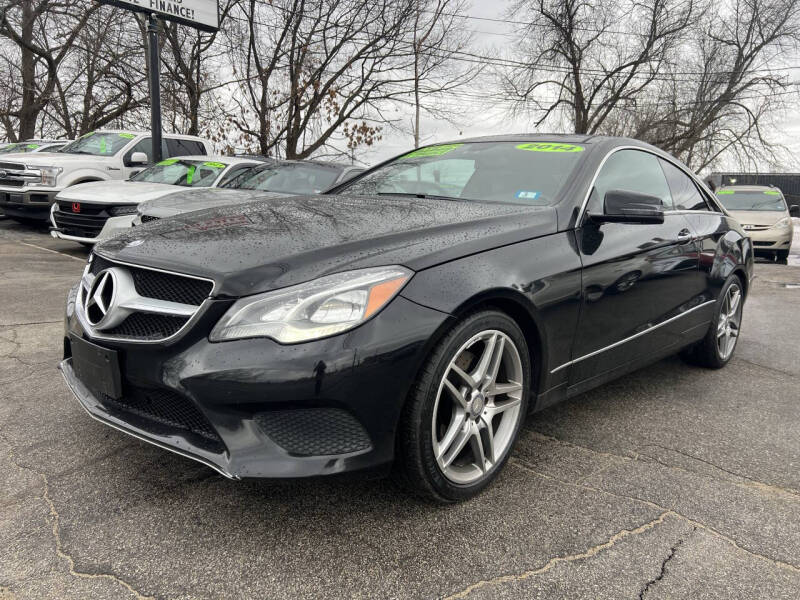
point(127, 136)
point(189, 175)
point(32, 146)
point(549, 147)
point(169, 161)
point(432, 151)
point(772, 193)
point(102, 145)
point(725, 192)
point(214, 165)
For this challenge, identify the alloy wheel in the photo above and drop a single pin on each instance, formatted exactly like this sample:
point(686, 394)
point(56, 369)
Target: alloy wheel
point(730, 320)
point(477, 408)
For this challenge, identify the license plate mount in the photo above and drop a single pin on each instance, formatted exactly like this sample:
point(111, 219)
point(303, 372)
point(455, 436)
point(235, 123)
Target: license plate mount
point(97, 368)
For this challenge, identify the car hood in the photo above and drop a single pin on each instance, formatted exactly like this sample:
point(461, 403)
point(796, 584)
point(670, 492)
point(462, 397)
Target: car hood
point(176, 203)
point(268, 244)
point(758, 217)
point(116, 192)
point(45, 159)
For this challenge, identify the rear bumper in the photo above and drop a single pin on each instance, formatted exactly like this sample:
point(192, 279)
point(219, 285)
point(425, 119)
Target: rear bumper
point(27, 203)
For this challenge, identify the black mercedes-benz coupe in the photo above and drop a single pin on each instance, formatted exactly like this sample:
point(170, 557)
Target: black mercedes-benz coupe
point(408, 320)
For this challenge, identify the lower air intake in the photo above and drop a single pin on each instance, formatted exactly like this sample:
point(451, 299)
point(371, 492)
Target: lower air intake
point(315, 431)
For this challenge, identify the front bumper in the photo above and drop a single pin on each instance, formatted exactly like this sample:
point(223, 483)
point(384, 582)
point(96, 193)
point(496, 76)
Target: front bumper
point(317, 408)
point(27, 203)
point(770, 240)
point(111, 227)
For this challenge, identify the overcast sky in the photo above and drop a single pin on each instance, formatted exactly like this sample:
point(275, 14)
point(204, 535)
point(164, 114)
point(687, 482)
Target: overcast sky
point(481, 118)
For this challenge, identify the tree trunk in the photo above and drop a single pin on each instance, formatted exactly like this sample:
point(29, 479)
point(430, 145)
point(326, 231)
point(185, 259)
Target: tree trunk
point(28, 109)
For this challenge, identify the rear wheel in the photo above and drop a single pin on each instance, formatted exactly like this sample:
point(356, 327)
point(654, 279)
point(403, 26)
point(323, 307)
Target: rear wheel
point(717, 348)
point(463, 416)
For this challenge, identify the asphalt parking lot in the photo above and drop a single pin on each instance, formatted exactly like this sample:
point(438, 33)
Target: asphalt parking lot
point(673, 482)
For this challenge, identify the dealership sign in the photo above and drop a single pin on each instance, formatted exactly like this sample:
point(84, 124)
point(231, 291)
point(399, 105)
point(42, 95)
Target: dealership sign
point(200, 14)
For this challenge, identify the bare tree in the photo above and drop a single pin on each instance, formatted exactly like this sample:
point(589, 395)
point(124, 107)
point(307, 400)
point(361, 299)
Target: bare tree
point(44, 32)
point(580, 59)
point(728, 84)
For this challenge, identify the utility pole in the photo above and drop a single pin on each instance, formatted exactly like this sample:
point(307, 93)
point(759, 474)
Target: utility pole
point(155, 86)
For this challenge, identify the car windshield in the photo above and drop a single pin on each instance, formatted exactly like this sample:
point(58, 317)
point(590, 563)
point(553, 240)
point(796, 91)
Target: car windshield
point(290, 178)
point(183, 172)
point(99, 144)
point(21, 147)
point(520, 173)
point(768, 200)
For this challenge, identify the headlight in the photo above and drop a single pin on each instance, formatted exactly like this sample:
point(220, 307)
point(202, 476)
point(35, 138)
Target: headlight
point(784, 223)
point(125, 209)
point(312, 310)
point(49, 176)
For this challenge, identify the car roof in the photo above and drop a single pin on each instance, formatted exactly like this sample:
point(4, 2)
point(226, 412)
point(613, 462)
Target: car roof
point(749, 188)
point(228, 160)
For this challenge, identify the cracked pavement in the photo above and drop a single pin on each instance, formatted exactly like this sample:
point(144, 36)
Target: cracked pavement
point(673, 482)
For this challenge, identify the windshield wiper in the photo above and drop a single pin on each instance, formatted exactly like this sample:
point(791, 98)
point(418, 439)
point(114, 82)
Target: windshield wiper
point(423, 196)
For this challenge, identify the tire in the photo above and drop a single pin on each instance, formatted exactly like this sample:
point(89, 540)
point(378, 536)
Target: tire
point(782, 255)
point(711, 352)
point(447, 419)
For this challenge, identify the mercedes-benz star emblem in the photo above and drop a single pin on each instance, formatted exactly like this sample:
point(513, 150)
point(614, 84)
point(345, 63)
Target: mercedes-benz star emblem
point(100, 299)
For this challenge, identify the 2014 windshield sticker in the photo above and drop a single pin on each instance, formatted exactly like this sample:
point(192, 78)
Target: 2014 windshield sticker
point(169, 161)
point(549, 147)
point(725, 192)
point(526, 195)
point(214, 165)
point(432, 151)
point(772, 193)
point(127, 136)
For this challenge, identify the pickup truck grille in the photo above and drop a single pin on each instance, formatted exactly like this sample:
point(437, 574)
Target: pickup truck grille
point(7, 166)
point(9, 172)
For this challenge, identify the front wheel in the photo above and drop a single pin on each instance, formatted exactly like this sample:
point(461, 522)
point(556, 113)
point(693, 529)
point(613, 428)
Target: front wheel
point(717, 348)
point(464, 414)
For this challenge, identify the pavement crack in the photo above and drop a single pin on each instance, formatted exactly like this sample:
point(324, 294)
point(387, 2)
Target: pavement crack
point(588, 553)
point(663, 571)
point(31, 323)
point(55, 519)
point(695, 523)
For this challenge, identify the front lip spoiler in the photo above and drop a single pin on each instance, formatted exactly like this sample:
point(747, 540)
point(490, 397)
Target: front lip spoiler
point(95, 410)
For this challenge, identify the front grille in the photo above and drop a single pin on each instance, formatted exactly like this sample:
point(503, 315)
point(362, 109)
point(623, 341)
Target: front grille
point(7, 166)
point(154, 323)
point(149, 218)
point(166, 408)
point(763, 243)
point(315, 431)
point(79, 225)
point(148, 326)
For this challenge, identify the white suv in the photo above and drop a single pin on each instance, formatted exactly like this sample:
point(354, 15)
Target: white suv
point(29, 184)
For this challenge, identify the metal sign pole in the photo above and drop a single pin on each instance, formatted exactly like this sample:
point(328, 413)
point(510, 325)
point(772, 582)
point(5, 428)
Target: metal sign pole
point(155, 89)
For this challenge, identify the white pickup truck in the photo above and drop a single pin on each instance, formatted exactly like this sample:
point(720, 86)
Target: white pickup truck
point(28, 185)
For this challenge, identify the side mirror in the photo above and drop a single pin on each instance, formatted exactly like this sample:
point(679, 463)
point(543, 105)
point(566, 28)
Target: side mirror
point(620, 206)
point(794, 210)
point(138, 158)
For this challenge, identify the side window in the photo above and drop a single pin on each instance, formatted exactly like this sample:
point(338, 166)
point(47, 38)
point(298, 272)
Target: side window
point(233, 173)
point(685, 194)
point(178, 147)
point(144, 145)
point(630, 171)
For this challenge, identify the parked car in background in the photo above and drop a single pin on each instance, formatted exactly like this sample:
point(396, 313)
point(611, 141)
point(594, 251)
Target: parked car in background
point(90, 212)
point(764, 215)
point(29, 183)
point(270, 179)
point(30, 146)
point(409, 320)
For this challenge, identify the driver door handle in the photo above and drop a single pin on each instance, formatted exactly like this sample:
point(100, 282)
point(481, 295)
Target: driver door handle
point(684, 235)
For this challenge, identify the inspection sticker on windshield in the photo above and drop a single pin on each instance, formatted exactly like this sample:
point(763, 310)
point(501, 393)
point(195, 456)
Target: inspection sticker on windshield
point(169, 161)
point(772, 193)
point(526, 195)
point(127, 136)
point(215, 165)
point(548, 147)
point(725, 192)
point(432, 151)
